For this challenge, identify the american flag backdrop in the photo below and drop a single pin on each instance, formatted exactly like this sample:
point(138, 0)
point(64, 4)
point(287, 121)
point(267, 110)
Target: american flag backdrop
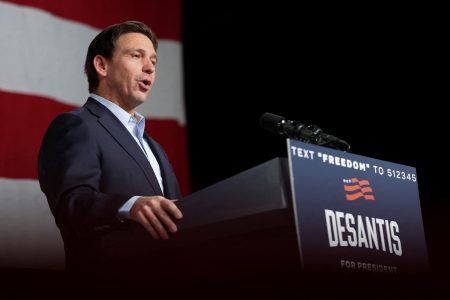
point(43, 44)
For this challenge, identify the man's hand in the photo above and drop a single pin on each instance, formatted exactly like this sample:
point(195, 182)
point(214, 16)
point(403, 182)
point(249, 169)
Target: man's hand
point(154, 214)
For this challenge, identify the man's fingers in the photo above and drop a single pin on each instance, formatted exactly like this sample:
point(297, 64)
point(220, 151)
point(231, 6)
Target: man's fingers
point(155, 222)
point(156, 215)
point(172, 208)
point(166, 220)
point(143, 220)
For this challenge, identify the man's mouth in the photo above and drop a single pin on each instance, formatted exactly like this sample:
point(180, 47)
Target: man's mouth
point(144, 85)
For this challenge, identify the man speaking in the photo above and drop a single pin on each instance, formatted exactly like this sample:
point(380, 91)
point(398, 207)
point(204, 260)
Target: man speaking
point(98, 168)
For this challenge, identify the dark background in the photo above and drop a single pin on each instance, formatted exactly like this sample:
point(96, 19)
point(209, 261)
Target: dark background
point(369, 75)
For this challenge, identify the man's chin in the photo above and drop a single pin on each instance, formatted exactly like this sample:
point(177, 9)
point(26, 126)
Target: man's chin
point(139, 99)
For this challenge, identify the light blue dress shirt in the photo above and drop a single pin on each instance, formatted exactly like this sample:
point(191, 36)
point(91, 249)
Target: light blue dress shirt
point(135, 126)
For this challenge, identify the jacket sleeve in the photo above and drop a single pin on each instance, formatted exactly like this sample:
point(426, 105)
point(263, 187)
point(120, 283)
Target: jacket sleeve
point(69, 169)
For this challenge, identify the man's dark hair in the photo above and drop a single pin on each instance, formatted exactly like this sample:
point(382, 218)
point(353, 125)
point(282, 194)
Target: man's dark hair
point(103, 44)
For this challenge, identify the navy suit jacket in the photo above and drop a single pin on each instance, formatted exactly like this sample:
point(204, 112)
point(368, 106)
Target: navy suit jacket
point(89, 166)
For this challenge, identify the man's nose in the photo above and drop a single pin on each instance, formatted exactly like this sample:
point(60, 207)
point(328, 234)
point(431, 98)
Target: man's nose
point(148, 66)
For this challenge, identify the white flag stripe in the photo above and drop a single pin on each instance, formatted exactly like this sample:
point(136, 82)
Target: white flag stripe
point(167, 95)
point(44, 55)
point(29, 236)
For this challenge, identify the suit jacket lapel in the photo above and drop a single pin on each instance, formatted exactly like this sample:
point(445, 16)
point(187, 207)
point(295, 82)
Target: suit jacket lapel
point(110, 122)
point(163, 165)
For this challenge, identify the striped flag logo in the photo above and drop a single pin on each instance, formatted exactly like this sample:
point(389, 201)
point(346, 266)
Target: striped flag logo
point(42, 53)
point(355, 188)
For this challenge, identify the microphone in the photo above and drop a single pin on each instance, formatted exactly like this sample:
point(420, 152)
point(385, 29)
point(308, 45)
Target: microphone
point(298, 131)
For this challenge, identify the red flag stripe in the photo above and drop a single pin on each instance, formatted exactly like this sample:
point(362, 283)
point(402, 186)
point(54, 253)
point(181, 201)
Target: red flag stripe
point(357, 195)
point(360, 182)
point(354, 196)
point(351, 188)
point(24, 121)
point(164, 17)
point(369, 197)
point(366, 190)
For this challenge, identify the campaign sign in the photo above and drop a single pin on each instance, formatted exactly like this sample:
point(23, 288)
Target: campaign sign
point(355, 213)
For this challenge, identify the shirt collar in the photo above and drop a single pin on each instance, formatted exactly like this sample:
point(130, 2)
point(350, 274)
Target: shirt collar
point(124, 117)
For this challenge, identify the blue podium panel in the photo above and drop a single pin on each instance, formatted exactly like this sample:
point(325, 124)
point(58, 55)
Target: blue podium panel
point(355, 213)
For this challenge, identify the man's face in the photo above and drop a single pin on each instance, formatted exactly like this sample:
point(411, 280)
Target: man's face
point(130, 73)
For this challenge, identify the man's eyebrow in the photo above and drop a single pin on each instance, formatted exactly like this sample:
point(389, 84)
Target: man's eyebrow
point(134, 49)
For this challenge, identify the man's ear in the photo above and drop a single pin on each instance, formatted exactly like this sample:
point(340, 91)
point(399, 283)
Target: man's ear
point(101, 65)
